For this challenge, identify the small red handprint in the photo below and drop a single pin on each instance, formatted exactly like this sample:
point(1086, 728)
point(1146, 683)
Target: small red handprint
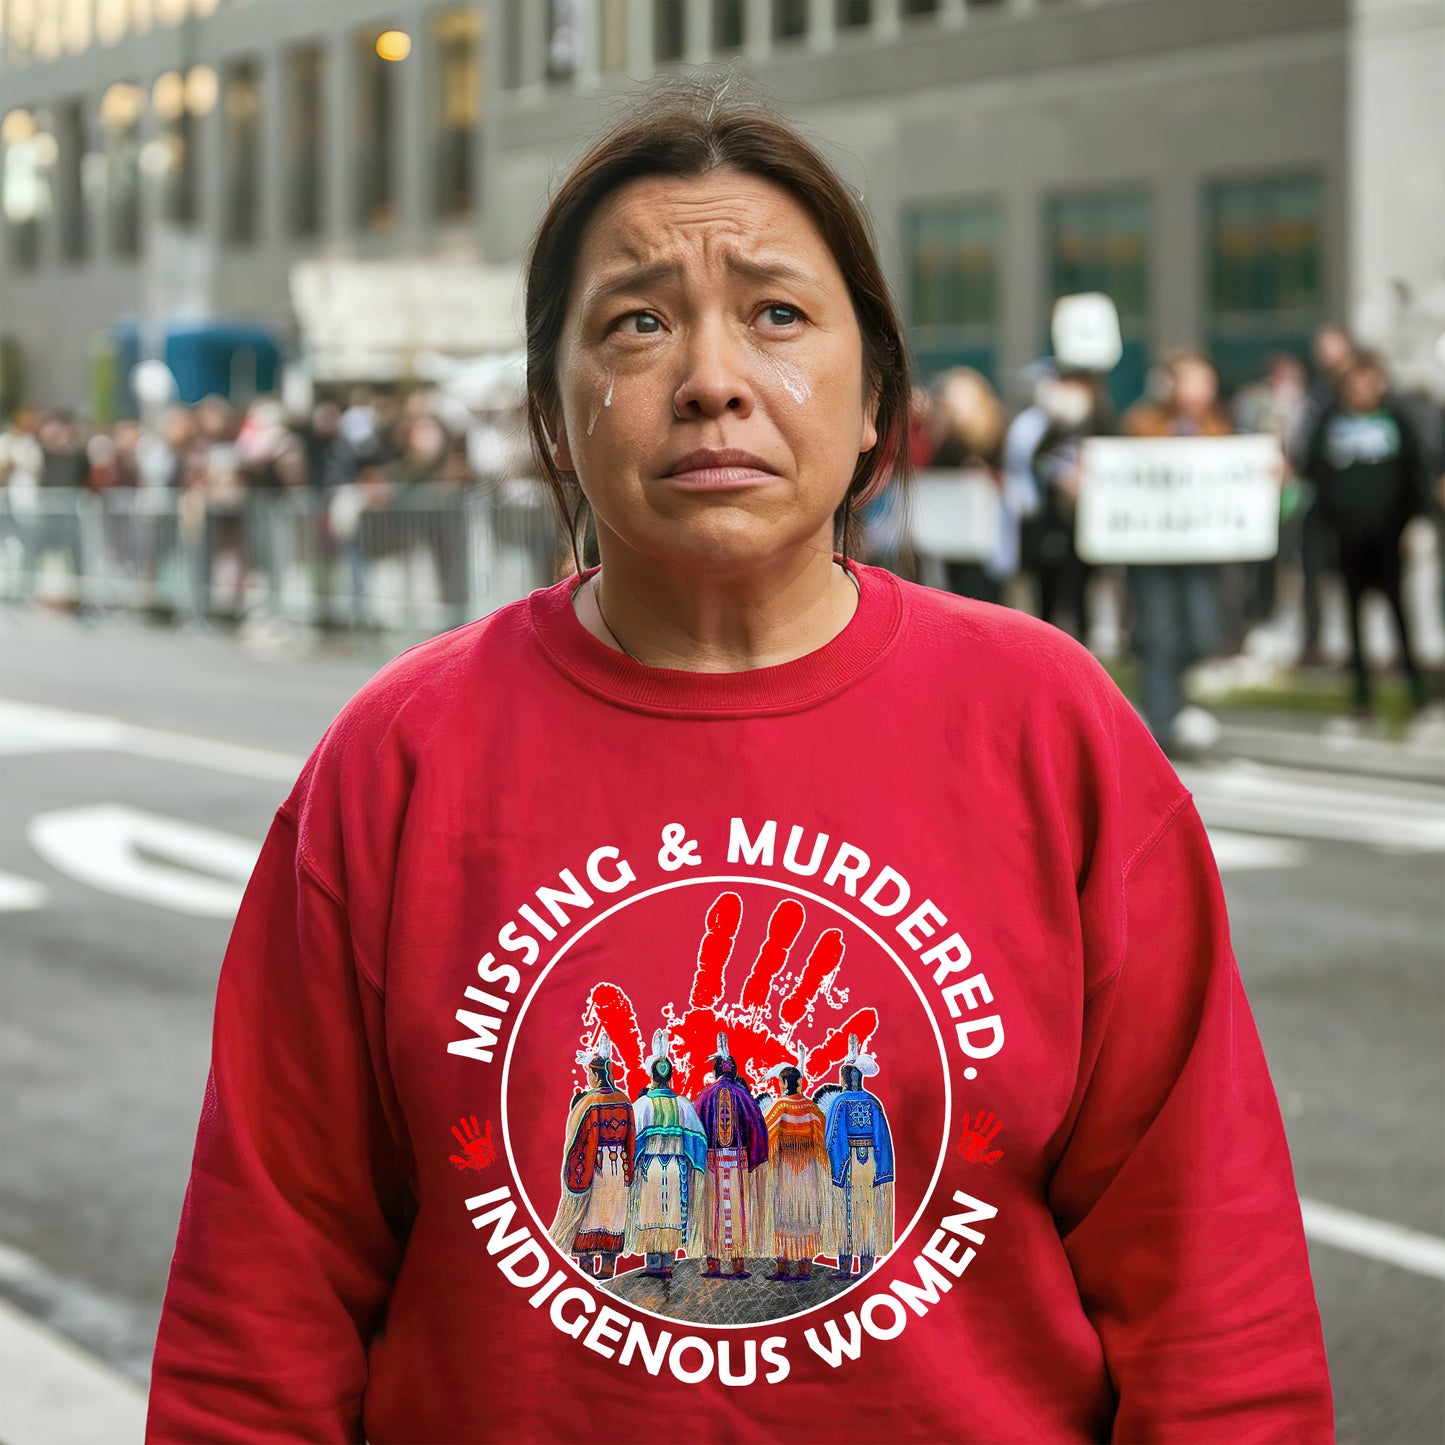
point(477, 1151)
point(977, 1136)
point(759, 1027)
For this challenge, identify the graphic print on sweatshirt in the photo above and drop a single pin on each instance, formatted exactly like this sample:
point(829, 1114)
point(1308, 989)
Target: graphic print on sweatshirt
point(726, 1099)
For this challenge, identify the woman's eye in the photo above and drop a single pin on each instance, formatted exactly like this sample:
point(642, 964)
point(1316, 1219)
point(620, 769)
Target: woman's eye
point(780, 315)
point(640, 323)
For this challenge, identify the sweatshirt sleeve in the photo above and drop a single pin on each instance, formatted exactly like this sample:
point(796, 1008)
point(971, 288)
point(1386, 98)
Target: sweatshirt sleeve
point(1174, 1191)
point(293, 1222)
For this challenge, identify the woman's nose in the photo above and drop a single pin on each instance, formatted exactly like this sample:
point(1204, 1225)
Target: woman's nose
point(715, 378)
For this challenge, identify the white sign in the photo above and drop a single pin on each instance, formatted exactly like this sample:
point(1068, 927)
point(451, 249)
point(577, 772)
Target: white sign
point(1178, 499)
point(955, 515)
point(1085, 332)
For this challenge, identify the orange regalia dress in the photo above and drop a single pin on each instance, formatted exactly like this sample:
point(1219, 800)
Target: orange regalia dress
point(797, 1187)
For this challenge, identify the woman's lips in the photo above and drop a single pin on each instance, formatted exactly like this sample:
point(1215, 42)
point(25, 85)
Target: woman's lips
point(720, 479)
point(719, 469)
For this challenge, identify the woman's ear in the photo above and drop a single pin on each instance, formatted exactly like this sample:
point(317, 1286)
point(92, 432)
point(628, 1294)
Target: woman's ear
point(561, 451)
point(870, 420)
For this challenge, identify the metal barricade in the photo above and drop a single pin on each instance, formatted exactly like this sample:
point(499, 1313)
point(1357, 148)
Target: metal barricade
point(412, 560)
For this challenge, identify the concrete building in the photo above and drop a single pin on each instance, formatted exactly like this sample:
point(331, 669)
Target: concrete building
point(1232, 174)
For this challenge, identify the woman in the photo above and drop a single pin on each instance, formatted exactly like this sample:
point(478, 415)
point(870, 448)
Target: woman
point(732, 779)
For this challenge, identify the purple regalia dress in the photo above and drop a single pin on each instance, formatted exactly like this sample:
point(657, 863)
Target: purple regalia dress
point(737, 1142)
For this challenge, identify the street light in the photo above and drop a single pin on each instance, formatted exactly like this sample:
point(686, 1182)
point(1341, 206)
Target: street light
point(393, 45)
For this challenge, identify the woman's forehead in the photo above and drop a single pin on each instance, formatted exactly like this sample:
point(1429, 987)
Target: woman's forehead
point(724, 220)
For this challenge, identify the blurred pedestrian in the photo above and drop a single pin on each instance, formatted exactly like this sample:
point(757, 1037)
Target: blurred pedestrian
point(968, 433)
point(1274, 406)
point(1369, 470)
point(1175, 606)
point(1069, 407)
point(1333, 353)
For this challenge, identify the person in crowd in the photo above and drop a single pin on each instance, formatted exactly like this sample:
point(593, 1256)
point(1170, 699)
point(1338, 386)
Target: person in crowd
point(1333, 353)
point(718, 377)
point(1176, 605)
point(1069, 407)
point(969, 426)
point(1371, 480)
point(1274, 406)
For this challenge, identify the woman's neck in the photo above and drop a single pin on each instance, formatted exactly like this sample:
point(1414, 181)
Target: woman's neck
point(700, 622)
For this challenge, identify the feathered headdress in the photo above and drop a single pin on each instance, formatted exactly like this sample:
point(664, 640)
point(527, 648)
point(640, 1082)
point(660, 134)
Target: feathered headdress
point(866, 1064)
point(776, 1071)
point(601, 1049)
point(722, 1047)
point(659, 1049)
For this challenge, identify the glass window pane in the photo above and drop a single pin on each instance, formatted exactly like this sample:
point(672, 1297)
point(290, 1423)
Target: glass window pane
point(457, 109)
point(668, 18)
point(241, 102)
point(305, 111)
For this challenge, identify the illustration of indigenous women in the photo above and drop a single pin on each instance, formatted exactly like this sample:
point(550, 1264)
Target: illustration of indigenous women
point(737, 1143)
point(664, 1212)
point(596, 1168)
point(860, 1155)
point(797, 1184)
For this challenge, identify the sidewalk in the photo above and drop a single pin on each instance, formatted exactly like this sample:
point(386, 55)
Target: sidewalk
point(1333, 744)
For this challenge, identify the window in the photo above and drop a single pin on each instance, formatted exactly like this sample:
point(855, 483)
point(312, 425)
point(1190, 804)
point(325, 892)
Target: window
point(375, 128)
point(241, 143)
point(951, 254)
point(120, 112)
point(727, 25)
point(1101, 243)
point(512, 43)
point(668, 19)
point(24, 189)
point(853, 14)
point(305, 119)
point(911, 9)
point(1265, 280)
point(612, 22)
point(790, 19)
point(178, 141)
point(458, 109)
point(70, 187)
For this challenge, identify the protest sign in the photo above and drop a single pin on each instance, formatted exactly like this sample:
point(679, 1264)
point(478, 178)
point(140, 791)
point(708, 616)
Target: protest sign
point(955, 515)
point(1178, 499)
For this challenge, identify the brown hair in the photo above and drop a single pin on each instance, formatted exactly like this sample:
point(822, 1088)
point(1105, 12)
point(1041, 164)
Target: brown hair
point(693, 128)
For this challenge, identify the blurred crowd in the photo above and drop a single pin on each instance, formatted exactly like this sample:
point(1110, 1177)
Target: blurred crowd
point(1361, 461)
point(373, 471)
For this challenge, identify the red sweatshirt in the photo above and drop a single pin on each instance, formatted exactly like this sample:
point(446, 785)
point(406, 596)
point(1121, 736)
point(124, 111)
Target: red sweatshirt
point(946, 834)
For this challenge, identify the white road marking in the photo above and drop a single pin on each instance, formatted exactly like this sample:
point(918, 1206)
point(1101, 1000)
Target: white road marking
point(1291, 802)
point(18, 895)
point(1250, 852)
point(26, 728)
point(52, 1392)
point(133, 854)
point(1410, 1249)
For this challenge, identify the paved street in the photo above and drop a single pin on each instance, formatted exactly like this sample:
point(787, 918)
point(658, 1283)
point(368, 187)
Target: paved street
point(141, 769)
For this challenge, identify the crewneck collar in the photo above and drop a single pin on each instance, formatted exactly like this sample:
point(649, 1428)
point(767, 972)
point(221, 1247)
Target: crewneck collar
point(759, 691)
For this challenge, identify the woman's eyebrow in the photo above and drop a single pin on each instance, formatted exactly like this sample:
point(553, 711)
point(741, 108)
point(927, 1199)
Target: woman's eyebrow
point(766, 270)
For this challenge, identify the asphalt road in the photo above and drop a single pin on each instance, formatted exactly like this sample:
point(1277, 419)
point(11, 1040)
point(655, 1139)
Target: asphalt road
point(1334, 886)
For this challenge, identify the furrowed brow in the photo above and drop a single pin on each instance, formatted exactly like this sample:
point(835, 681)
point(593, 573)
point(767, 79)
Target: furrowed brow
point(769, 270)
point(637, 278)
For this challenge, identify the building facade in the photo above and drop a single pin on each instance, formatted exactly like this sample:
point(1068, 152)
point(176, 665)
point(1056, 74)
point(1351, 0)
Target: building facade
point(1232, 174)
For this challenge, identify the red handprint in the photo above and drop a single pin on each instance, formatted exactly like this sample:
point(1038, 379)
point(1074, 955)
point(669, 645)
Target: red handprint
point(756, 1040)
point(977, 1136)
point(477, 1151)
